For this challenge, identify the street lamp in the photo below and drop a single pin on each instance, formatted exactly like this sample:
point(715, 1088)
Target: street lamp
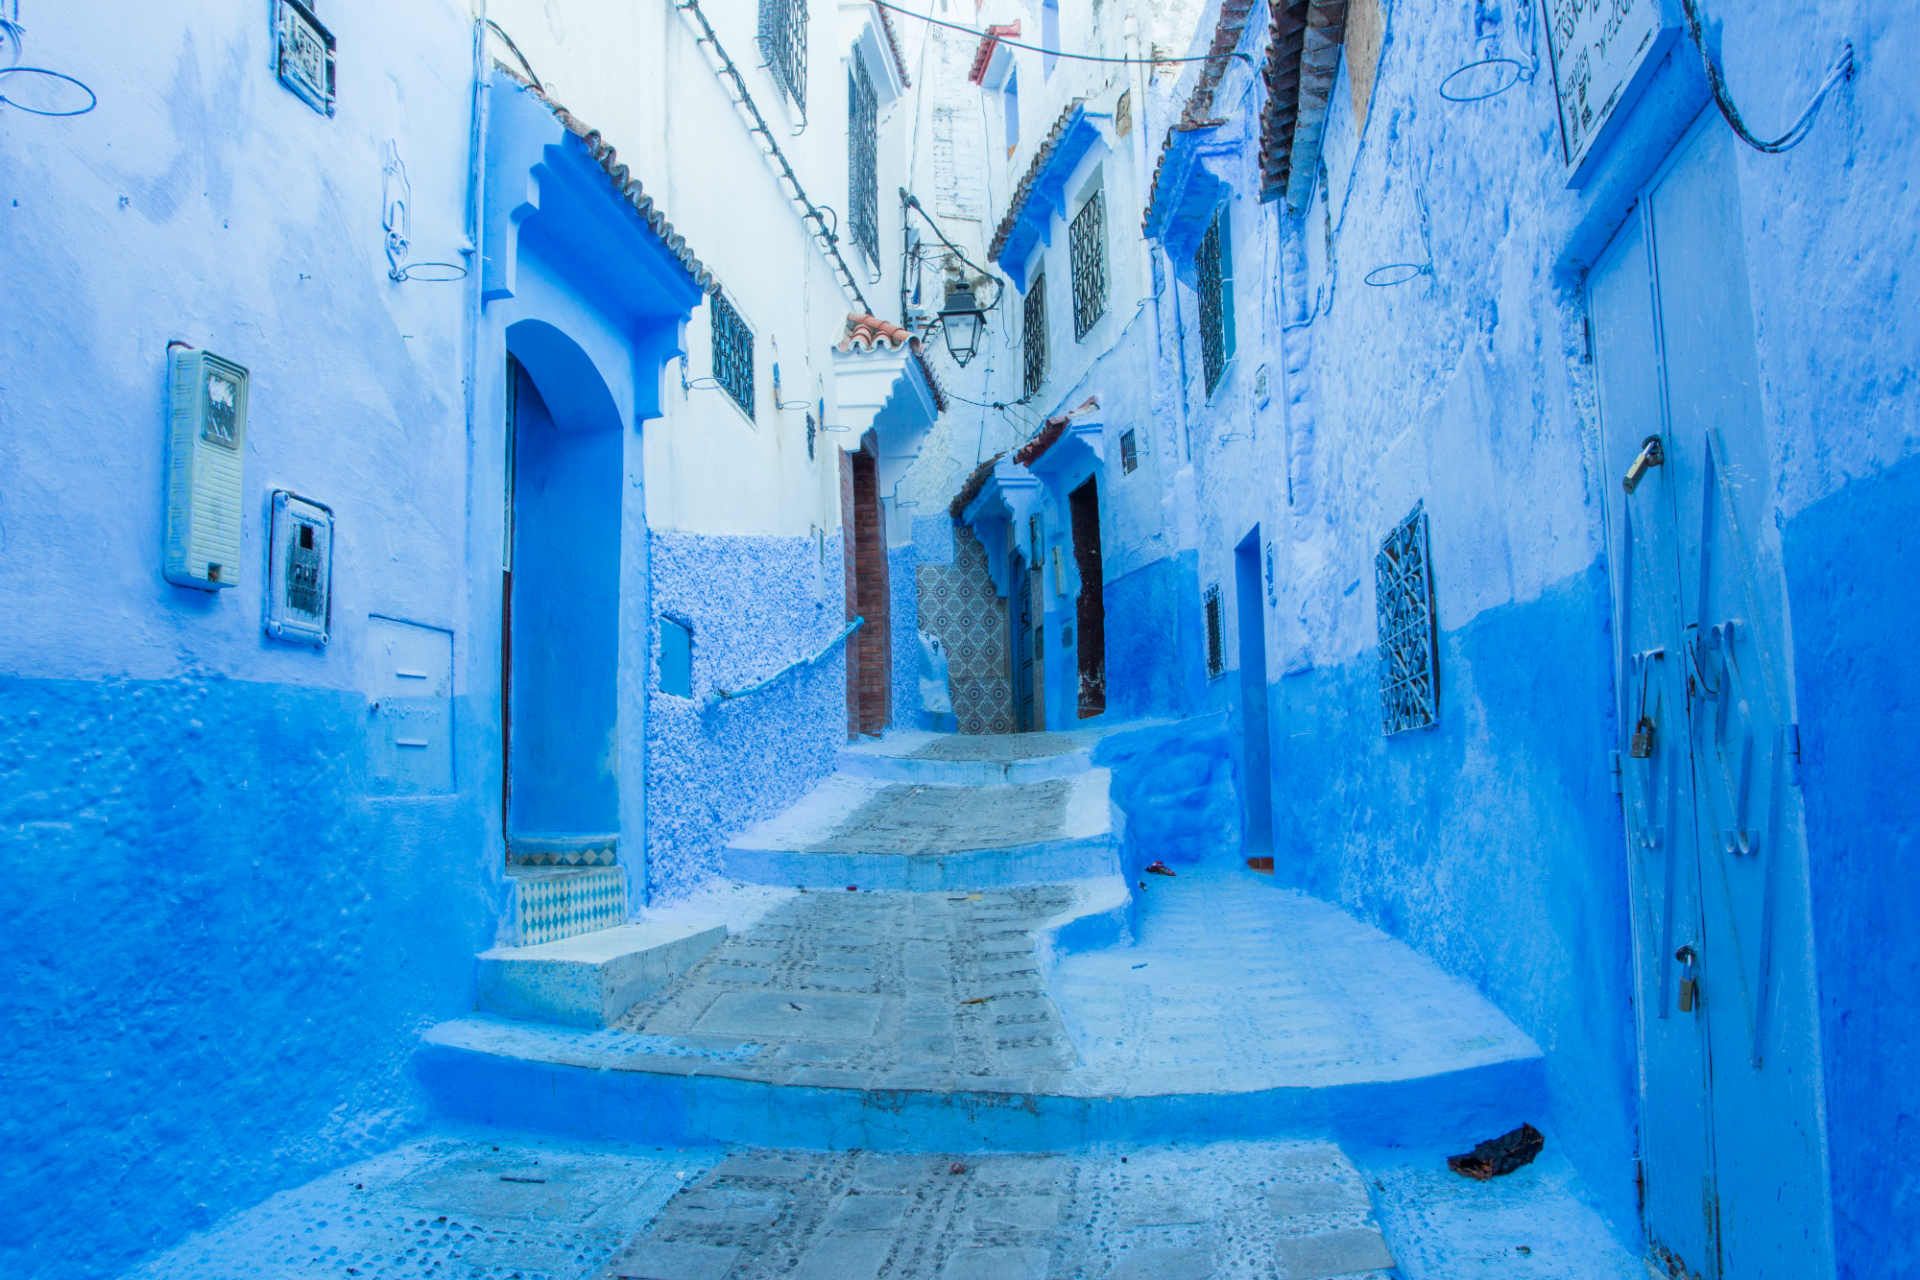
point(961, 320)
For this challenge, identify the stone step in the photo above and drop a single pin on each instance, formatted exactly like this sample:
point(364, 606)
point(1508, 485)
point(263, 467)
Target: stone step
point(970, 760)
point(873, 834)
point(1037, 1018)
point(591, 979)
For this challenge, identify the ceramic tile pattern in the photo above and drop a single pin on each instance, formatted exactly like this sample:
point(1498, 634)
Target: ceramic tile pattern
point(562, 904)
point(959, 606)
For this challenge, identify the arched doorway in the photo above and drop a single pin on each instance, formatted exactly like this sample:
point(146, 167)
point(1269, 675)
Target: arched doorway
point(561, 588)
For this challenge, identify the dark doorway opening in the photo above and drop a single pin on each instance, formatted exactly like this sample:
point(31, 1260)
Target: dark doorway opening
point(1091, 619)
point(1256, 754)
point(869, 651)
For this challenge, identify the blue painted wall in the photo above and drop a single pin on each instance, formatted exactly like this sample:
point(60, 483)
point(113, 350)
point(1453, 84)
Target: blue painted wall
point(754, 604)
point(224, 945)
point(1859, 694)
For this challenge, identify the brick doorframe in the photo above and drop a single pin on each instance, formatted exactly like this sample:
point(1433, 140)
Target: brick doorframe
point(869, 652)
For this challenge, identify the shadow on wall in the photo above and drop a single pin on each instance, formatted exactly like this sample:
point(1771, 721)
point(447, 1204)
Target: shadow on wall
point(1174, 791)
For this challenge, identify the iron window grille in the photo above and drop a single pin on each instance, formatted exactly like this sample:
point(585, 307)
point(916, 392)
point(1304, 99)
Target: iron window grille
point(1087, 247)
point(863, 148)
point(1033, 335)
point(1129, 452)
point(1211, 281)
point(1216, 640)
point(1403, 601)
point(783, 42)
point(732, 353)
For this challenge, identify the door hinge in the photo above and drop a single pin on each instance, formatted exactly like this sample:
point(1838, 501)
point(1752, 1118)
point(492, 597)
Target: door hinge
point(1613, 764)
point(1586, 336)
point(1791, 735)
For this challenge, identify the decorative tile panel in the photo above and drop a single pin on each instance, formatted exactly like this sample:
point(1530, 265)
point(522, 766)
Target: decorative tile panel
point(959, 607)
point(556, 905)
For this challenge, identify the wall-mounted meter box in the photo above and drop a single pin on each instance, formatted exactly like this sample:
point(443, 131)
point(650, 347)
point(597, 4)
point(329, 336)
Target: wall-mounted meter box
point(299, 569)
point(207, 436)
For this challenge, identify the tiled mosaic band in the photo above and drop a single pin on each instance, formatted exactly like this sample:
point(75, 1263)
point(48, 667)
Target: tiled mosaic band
point(562, 904)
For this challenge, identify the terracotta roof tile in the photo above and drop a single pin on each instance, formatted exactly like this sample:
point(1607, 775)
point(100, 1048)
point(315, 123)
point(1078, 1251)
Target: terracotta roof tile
point(893, 46)
point(1302, 58)
point(1041, 154)
point(1198, 111)
point(972, 487)
point(988, 43)
point(1050, 432)
point(864, 332)
point(623, 181)
point(869, 333)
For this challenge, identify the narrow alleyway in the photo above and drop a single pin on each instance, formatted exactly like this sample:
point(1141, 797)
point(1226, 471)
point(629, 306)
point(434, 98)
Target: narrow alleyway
point(1008, 1061)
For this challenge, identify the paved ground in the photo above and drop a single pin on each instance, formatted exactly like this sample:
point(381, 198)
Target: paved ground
point(909, 990)
point(1234, 984)
point(859, 815)
point(485, 1207)
point(998, 748)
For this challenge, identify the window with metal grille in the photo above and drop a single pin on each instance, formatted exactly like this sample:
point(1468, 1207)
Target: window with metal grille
point(732, 353)
point(1087, 247)
point(863, 148)
point(1033, 336)
point(1403, 605)
point(1129, 451)
point(1216, 640)
point(783, 43)
point(1213, 280)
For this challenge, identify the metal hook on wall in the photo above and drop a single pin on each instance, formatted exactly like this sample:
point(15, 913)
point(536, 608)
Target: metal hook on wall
point(68, 95)
point(396, 219)
point(1495, 70)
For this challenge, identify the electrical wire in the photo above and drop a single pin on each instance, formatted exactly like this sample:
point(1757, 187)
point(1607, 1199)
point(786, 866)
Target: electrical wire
point(525, 66)
point(1797, 132)
point(1035, 48)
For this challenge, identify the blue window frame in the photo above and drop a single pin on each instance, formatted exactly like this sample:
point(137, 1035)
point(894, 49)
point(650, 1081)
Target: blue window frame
point(1403, 606)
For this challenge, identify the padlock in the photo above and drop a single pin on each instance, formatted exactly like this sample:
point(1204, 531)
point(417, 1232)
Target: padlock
point(1640, 747)
point(1689, 983)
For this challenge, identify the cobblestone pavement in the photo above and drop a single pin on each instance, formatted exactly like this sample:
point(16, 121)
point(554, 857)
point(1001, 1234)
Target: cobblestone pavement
point(897, 989)
point(1279, 1211)
point(906, 818)
point(472, 1208)
point(999, 747)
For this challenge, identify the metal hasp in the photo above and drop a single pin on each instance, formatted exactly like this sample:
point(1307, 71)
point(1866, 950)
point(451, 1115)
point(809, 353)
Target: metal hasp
point(1652, 454)
point(1403, 602)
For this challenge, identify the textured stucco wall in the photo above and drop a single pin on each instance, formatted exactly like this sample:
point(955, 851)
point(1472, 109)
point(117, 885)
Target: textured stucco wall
point(224, 945)
point(715, 766)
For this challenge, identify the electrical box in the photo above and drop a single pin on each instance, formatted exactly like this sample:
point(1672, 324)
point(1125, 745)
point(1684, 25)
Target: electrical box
point(299, 570)
point(207, 436)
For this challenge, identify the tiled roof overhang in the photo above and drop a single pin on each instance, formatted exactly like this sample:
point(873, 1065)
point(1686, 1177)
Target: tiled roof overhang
point(971, 488)
point(1303, 58)
point(871, 333)
point(1198, 113)
point(983, 57)
point(624, 183)
point(893, 46)
point(1042, 191)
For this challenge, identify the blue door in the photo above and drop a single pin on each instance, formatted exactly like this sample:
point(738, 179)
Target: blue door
point(1732, 1137)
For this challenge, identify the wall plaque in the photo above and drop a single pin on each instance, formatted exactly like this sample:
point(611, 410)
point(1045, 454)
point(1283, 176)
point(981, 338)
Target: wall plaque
point(1603, 50)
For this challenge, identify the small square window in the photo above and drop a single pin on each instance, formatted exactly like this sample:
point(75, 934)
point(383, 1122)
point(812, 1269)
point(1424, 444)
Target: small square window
point(1129, 452)
point(676, 658)
point(733, 353)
